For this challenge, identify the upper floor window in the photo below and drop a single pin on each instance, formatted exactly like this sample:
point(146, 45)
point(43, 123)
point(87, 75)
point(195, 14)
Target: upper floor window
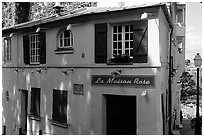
point(122, 40)
point(7, 49)
point(66, 39)
point(128, 42)
point(34, 48)
point(65, 42)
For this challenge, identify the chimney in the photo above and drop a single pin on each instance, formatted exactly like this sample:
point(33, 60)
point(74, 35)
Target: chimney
point(121, 4)
point(57, 8)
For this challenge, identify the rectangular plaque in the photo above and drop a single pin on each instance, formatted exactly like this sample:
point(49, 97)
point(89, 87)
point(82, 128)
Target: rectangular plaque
point(78, 89)
point(124, 80)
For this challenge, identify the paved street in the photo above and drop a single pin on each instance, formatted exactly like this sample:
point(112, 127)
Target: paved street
point(186, 130)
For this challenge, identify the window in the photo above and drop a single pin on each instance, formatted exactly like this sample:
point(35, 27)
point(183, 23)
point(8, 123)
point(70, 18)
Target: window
point(7, 49)
point(35, 102)
point(66, 39)
point(59, 111)
point(129, 42)
point(122, 40)
point(34, 49)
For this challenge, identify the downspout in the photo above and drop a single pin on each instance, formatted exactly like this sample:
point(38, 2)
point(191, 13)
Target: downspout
point(169, 82)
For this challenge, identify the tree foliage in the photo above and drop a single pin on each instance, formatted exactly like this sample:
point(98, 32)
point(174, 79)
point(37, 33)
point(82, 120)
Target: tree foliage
point(18, 12)
point(188, 85)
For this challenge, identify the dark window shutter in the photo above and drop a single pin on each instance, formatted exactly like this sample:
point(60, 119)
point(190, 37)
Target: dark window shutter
point(140, 41)
point(26, 47)
point(101, 43)
point(55, 109)
point(32, 102)
point(42, 38)
point(4, 50)
point(37, 99)
point(64, 107)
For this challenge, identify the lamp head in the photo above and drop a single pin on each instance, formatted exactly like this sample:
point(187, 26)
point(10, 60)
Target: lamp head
point(197, 60)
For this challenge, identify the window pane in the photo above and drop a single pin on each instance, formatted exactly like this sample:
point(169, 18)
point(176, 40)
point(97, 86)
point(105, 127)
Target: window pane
point(126, 28)
point(119, 52)
point(114, 52)
point(114, 45)
point(127, 36)
point(114, 29)
point(119, 29)
point(131, 44)
point(131, 36)
point(119, 37)
point(66, 34)
point(61, 42)
point(126, 44)
point(114, 37)
point(119, 45)
point(127, 52)
point(65, 42)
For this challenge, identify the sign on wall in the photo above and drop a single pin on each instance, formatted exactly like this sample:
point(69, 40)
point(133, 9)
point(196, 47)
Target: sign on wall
point(78, 89)
point(124, 80)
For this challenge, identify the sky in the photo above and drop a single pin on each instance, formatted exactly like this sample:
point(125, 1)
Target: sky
point(193, 23)
point(193, 29)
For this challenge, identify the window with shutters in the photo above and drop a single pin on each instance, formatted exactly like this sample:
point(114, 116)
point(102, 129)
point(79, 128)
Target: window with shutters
point(129, 42)
point(35, 102)
point(122, 40)
point(59, 109)
point(7, 49)
point(34, 48)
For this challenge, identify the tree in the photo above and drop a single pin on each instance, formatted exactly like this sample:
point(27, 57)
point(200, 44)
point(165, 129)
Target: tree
point(17, 12)
point(187, 85)
point(187, 62)
point(22, 12)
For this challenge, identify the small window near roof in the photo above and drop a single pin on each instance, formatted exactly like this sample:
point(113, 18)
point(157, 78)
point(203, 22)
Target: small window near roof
point(66, 39)
point(7, 49)
point(65, 44)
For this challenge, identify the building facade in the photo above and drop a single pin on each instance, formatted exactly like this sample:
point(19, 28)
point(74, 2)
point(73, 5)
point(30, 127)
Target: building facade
point(92, 71)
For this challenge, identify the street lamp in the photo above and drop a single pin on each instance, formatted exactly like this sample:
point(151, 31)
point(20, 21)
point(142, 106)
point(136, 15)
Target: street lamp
point(197, 62)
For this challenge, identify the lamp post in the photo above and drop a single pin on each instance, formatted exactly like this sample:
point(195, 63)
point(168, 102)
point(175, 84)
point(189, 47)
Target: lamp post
point(197, 62)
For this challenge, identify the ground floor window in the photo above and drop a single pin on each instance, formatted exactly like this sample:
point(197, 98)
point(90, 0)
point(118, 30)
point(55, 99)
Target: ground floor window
point(35, 102)
point(59, 109)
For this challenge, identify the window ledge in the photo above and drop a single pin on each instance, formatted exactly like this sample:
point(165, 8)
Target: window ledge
point(69, 50)
point(60, 124)
point(123, 63)
point(37, 118)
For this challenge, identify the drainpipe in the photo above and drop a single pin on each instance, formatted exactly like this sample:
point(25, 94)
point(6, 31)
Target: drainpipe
point(169, 82)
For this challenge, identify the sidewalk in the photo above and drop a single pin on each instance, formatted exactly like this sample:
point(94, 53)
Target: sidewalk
point(186, 130)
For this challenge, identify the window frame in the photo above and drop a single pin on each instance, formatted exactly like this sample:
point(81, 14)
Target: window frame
point(70, 40)
point(7, 49)
point(123, 39)
point(140, 44)
point(64, 49)
point(36, 47)
point(60, 104)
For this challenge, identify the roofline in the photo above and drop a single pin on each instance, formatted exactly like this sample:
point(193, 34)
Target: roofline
point(54, 18)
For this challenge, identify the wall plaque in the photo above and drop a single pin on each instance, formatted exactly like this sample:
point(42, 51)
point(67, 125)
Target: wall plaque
point(78, 89)
point(124, 80)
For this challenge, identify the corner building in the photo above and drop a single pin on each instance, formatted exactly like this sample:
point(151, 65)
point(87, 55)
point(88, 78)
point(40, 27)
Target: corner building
point(91, 71)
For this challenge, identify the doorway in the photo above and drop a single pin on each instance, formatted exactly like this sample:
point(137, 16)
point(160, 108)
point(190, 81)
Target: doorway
point(24, 107)
point(121, 115)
